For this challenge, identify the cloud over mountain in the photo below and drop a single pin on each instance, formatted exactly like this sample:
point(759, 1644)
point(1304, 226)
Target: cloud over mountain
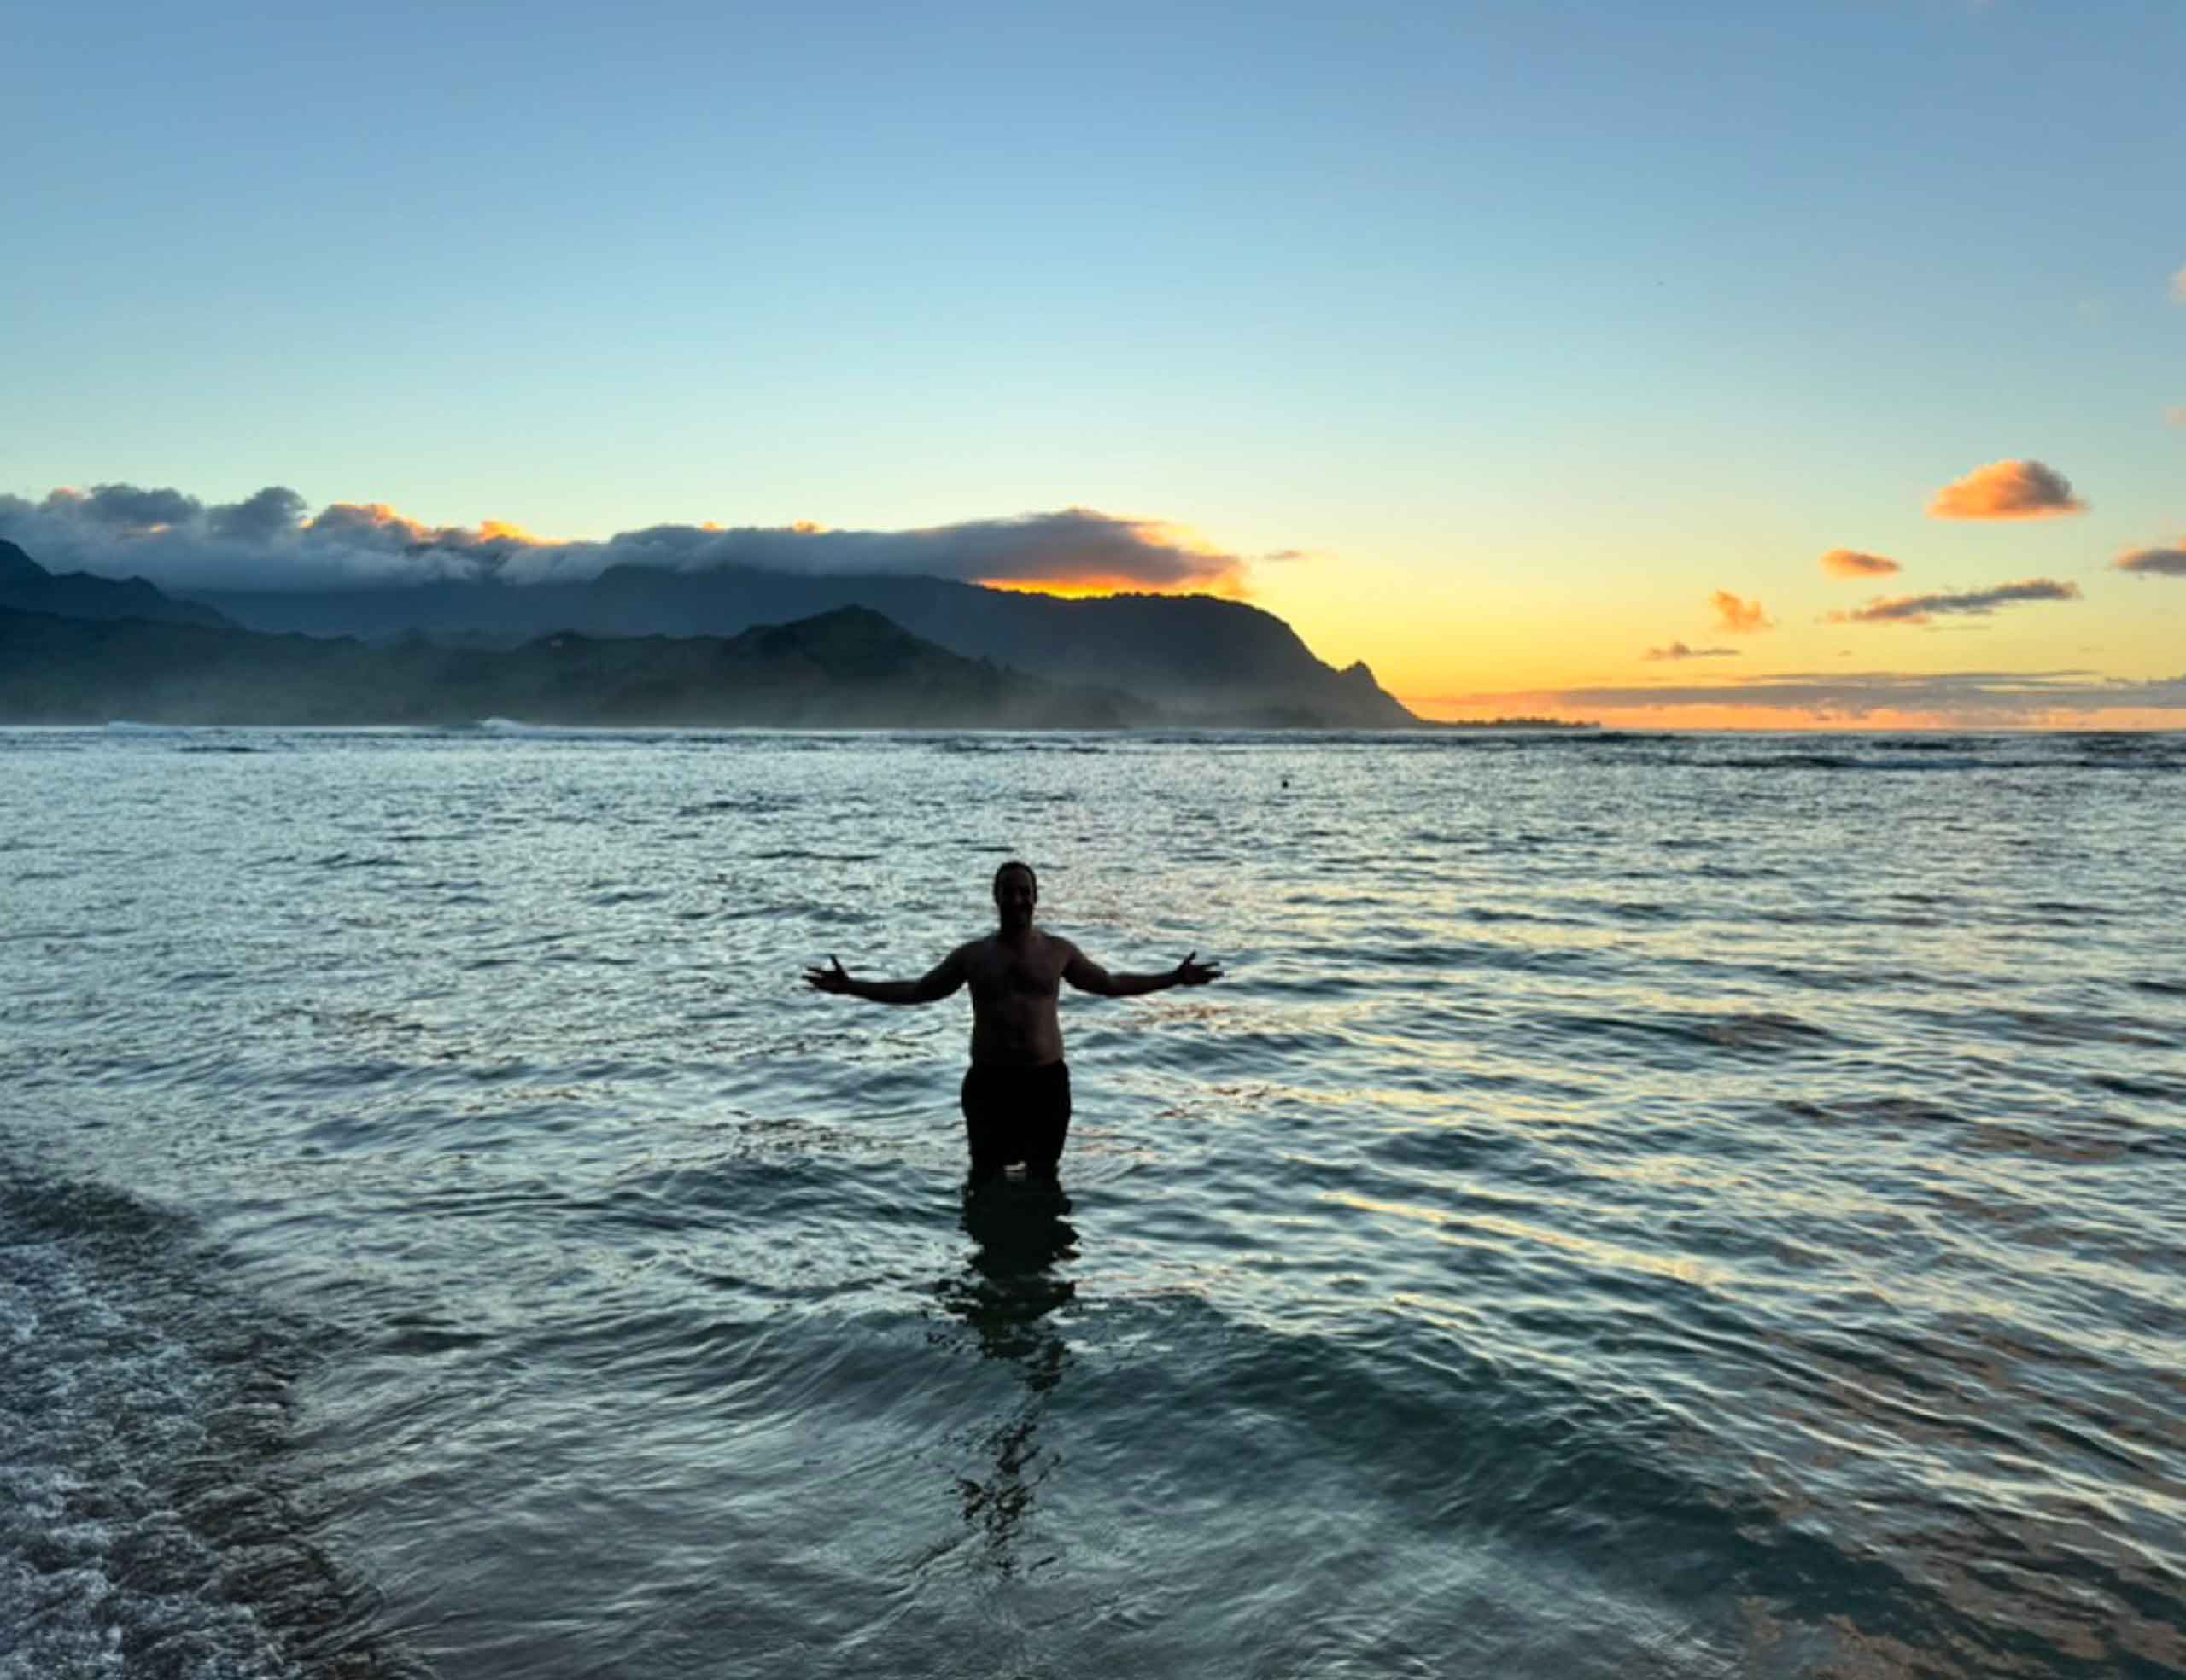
point(1970, 602)
point(271, 541)
point(2008, 490)
point(1849, 562)
point(2154, 561)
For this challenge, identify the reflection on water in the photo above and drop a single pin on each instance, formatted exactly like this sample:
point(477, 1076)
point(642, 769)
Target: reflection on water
point(1006, 1293)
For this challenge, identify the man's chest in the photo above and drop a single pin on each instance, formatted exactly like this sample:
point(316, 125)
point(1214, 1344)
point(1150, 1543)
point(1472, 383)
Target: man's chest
point(1028, 971)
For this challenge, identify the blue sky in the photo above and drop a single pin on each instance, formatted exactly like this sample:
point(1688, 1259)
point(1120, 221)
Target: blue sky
point(1530, 326)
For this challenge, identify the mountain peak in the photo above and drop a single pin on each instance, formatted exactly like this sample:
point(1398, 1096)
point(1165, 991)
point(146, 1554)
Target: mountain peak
point(28, 586)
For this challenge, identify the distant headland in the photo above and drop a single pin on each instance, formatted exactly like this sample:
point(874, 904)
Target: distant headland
point(639, 647)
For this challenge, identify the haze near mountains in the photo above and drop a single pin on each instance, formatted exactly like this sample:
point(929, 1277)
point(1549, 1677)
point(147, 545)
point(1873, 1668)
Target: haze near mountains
point(1198, 659)
point(638, 645)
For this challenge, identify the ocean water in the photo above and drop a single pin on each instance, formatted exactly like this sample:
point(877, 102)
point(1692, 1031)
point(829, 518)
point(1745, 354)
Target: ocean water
point(1637, 1206)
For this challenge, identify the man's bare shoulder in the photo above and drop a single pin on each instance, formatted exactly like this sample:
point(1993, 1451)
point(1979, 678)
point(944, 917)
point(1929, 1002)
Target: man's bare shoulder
point(976, 955)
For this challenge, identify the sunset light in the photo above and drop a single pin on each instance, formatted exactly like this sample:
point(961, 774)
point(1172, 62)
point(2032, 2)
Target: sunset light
point(1192, 842)
point(1473, 459)
point(1079, 589)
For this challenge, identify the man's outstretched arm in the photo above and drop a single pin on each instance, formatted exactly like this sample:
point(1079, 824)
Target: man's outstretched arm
point(1088, 976)
point(935, 983)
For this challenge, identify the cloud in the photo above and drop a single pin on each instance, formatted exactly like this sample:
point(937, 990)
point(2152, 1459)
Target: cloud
point(1739, 617)
point(1679, 651)
point(2006, 490)
point(2175, 416)
point(124, 508)
point(2154, 561)
point(1970, 602)
point(274, 512)
point(2179, 287)
point(1849, 562)
point(270, 541)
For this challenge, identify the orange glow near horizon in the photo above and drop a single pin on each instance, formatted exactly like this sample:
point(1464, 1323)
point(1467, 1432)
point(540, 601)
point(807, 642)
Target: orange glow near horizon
point(1482, 708)
point(1093, 588)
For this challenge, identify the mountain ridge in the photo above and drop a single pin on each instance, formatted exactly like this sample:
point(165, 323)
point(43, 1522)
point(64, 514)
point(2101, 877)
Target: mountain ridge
point(1012, 659)
point(1199, 658)
point(28, 586)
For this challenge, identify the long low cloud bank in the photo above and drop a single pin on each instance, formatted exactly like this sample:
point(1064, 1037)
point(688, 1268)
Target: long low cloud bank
point(271, 541)
point(1680, 650)
point(1967, 602)
point(2003, 699)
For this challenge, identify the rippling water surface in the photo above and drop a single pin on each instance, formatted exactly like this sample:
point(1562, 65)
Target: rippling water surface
point(1637, 1206)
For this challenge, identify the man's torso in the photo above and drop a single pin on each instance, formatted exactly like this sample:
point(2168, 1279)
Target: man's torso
point(1014, 981)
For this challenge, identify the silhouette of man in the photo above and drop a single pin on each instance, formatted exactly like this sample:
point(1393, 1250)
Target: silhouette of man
point(1016, 1095)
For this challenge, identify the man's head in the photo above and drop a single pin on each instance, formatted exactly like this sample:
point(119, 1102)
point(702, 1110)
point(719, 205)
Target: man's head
point(1016, 891)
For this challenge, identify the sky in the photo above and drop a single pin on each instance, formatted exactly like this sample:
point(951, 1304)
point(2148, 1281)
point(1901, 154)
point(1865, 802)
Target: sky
point(1552, 359)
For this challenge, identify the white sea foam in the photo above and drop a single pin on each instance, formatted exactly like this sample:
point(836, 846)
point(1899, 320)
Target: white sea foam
point(143, 1526)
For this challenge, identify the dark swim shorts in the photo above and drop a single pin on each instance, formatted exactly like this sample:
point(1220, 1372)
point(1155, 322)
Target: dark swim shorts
point(1016, 1114)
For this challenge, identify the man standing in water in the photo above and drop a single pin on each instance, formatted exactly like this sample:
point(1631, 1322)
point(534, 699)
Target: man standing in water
point(1016, 1096)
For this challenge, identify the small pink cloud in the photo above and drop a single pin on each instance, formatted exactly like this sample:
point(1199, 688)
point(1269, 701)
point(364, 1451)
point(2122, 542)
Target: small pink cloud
point(2008, 490)
point(2179, 287)
point(1849, 562)
point(1740, 617)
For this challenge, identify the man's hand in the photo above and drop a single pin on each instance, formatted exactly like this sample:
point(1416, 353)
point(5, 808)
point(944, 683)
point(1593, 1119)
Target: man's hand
point(1191, 972)
point(829, 979)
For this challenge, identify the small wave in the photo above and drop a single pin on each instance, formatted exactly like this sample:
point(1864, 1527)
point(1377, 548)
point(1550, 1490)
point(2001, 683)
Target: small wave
point(1922, 744)
point(2151, 1090)
point(2123, 743)
point(1760, 1033)
point(1638, 910)
point(1794, 761)
point(1883, 758)
point(753, 804)
point(351, 860)
point(1594, 738)
point(2049, 1026)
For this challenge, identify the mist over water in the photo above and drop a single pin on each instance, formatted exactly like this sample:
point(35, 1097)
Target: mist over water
point(1637, 1205)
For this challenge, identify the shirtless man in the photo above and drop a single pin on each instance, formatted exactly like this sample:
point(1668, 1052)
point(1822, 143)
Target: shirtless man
point(1016, 1096)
